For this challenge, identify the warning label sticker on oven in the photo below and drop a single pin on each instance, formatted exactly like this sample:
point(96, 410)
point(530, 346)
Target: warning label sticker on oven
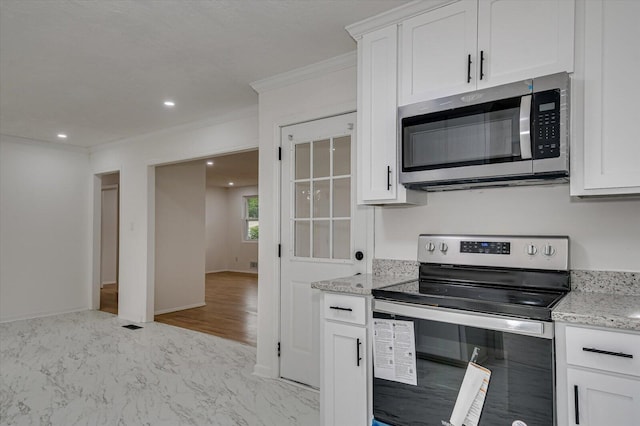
point(394, 351)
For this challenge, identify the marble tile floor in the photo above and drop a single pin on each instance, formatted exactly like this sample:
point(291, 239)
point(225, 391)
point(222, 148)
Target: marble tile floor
point(85, 369)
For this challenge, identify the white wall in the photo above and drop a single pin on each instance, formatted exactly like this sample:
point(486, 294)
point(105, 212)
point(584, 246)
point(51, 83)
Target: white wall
point(109, 236)
point(226, 249)
point(312, 97)
point(216, 234)
point(135, 159)
point(604, 233)
point(180, 236)
point(239, 252)
point(44, 229)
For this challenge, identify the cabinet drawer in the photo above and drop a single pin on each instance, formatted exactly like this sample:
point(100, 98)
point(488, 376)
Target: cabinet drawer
point(339, 307)
point(605, 350)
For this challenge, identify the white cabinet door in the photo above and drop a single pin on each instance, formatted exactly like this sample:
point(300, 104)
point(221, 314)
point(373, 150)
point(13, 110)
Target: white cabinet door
point(520, 39)
point(605, 142)
point(438, 51)
point(345, 375)
point(377, 122)
point(602, 399)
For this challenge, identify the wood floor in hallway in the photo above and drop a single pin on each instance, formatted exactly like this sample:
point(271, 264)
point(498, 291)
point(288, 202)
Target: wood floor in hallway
point(231, 309)
point(109, 299)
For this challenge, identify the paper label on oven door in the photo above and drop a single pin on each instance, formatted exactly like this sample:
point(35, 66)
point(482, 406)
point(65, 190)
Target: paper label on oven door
point(471, 397)
point(394, 353)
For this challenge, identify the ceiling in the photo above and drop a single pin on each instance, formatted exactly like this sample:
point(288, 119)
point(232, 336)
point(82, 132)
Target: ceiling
point(240, 168)
point(99, 71)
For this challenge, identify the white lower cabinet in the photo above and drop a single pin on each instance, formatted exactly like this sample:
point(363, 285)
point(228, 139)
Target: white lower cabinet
point(598, 376)
point(600, 399)
point(343, 390)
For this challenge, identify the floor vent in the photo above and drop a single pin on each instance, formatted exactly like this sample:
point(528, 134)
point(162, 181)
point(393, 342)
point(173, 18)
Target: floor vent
point(132, 326)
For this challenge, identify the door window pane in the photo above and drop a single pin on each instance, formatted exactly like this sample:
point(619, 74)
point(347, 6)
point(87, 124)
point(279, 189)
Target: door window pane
point(302, 239)
point(321, 238)
point(303, 160)
point(321, 198)
point(342, 156)
point(321, 158)
point(342, 197)
point(302, 200)
point(341, 239)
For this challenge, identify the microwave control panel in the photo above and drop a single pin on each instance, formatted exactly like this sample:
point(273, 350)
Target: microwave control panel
point(546, 124)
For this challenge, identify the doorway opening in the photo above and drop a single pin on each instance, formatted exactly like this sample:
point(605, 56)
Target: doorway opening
point(206, 245)
point(109, 241)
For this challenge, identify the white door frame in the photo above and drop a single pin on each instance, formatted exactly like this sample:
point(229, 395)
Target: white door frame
point(272, 369)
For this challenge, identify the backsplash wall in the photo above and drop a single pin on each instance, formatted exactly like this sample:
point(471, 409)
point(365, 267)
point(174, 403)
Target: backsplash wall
point(603, 233)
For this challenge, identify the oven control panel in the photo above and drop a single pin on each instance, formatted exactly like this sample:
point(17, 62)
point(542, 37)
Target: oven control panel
point(529, 252)
point(488, 247)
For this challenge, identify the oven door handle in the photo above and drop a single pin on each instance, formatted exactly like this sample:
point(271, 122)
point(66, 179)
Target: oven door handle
point(471, 319)
point(525, 127)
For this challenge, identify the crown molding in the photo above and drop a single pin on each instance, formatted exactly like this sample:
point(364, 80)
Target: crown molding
point(394, 16)
point(238, 114)
point(308, 72)
point(44, 144)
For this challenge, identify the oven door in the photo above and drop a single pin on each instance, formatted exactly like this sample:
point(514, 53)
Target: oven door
point(518, 353)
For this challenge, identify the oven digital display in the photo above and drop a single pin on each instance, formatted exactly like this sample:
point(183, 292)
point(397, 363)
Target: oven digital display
point(485, 247)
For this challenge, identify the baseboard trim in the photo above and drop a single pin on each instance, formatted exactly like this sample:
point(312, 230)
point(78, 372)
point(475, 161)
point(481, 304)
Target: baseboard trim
point(251, 271)
point(42, 315)
point(109, 283)
point(180, 308)
point(262, 371)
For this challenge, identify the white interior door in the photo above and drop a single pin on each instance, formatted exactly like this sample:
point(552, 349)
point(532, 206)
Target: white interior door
point(322, 229)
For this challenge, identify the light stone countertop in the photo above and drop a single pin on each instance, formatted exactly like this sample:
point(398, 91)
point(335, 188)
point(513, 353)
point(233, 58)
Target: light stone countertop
point(618, 311)
point(361, 284)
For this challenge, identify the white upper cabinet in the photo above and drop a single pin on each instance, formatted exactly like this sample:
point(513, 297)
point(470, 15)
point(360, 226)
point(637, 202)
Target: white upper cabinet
point(520, 39)
point(438, 52)
point(377, 122)
point(473, 44)
point(605, 144)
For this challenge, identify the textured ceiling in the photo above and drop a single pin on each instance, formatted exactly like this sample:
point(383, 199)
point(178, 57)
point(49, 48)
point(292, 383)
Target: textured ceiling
point(241, 169)
point(100, 70)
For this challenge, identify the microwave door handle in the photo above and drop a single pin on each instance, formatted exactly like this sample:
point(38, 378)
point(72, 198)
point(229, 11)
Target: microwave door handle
point(525, 127)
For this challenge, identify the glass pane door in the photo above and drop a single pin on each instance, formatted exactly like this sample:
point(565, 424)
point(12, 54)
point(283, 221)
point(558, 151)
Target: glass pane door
point(321, 185)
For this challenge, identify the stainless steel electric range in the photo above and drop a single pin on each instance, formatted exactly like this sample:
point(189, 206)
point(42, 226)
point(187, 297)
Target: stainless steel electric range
point(488, 294)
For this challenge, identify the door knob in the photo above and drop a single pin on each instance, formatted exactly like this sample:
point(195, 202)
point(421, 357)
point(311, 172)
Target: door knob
point(359, 255)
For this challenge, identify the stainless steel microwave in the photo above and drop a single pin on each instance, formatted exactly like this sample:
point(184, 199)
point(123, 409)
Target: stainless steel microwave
point(516, 133)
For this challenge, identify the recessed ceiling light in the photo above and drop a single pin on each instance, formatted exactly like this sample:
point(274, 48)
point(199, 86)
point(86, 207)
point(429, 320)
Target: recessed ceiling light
point(230, 183)
point(169, 103)
point(209, 163)
point(62, 136)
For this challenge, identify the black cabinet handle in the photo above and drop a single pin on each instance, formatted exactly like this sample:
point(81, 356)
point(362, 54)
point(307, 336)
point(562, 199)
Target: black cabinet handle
point(481, 64)
point(388, 178)
point(575, 401)
point(469, 68)
point(358, 358)
point(600, 351)
point(338, 308)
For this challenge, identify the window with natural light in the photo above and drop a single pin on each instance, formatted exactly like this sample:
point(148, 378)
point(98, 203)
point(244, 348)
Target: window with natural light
point(251, 224)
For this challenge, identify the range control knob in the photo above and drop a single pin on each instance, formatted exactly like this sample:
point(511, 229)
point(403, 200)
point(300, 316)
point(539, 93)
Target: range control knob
point(532, 250)
point(444, 247)
point(430, 247)
point(548, 250)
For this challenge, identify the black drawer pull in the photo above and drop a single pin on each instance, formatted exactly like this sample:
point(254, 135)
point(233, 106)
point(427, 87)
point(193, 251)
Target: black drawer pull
point(600, 351)
point(388, 178)
point(469, 69)
point(338, 308)
point(358, 357)
point(576, 403)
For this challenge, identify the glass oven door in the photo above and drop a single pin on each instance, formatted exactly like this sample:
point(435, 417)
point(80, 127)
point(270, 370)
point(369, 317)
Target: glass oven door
point(520, 388)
